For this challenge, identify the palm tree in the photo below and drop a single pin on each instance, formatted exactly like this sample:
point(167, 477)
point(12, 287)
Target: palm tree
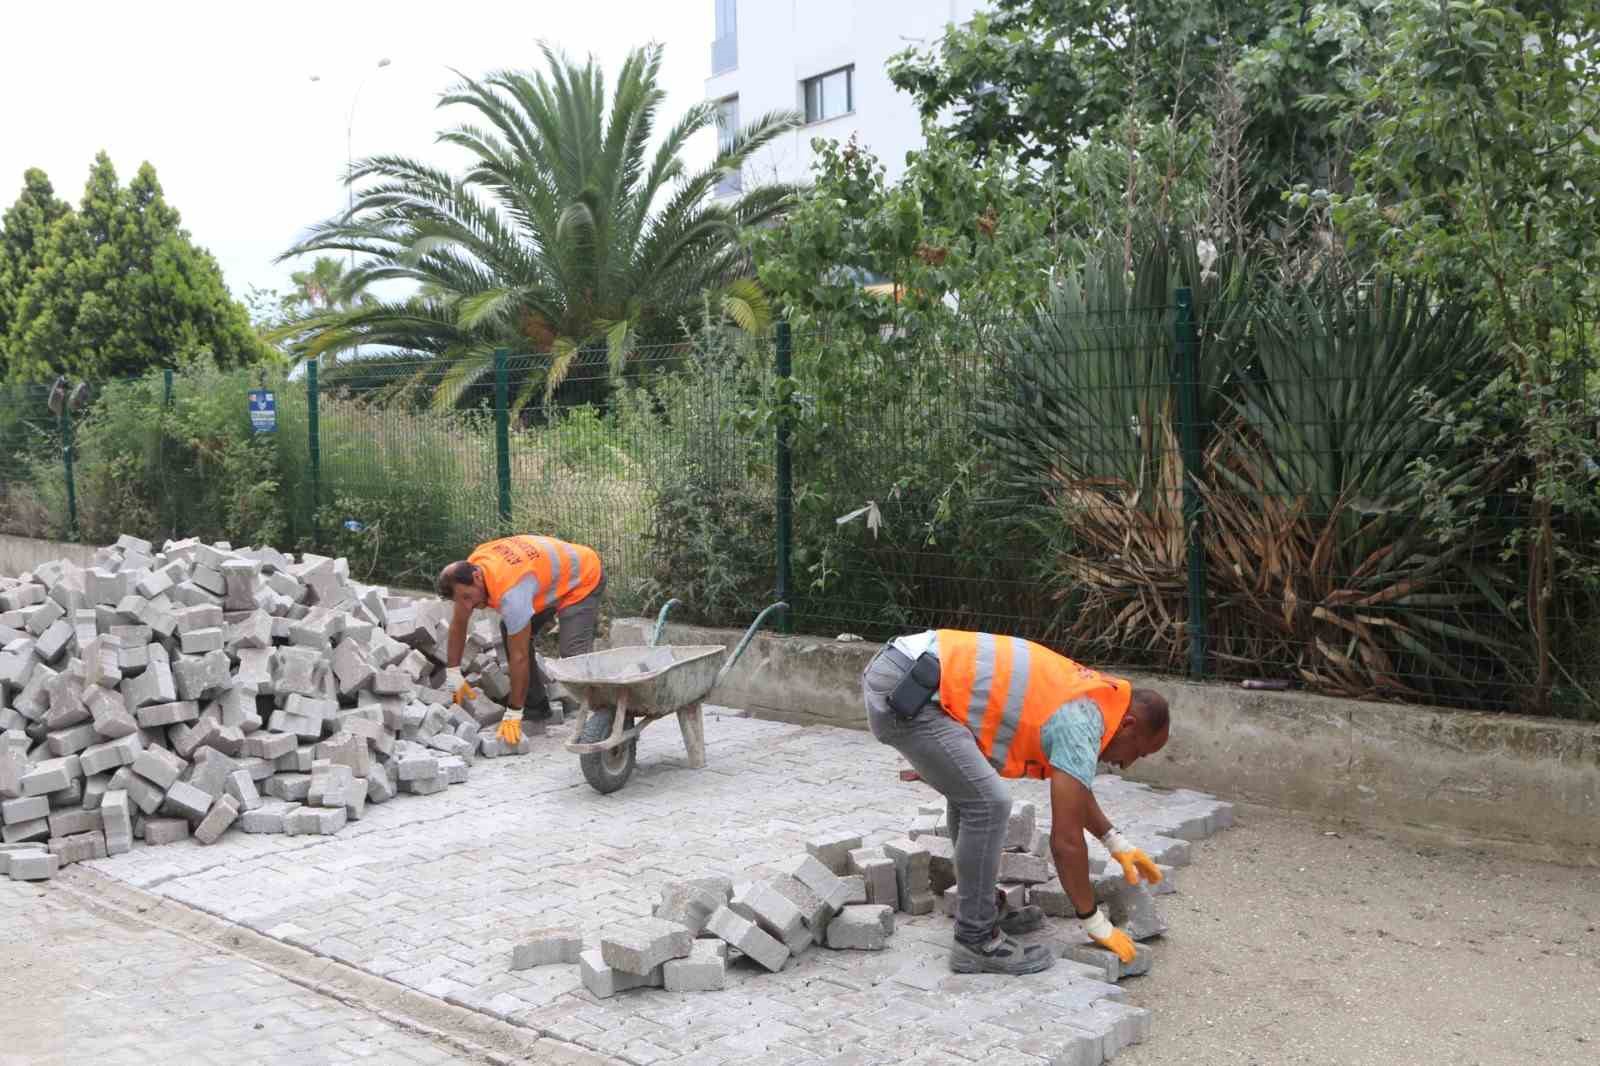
point(325, 286)
point(565, 233)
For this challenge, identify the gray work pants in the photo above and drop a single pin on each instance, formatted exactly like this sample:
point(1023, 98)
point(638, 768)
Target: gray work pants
point(946, 754)
point(576, 637)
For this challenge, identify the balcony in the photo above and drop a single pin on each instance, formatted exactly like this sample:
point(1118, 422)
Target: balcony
point(724, 54)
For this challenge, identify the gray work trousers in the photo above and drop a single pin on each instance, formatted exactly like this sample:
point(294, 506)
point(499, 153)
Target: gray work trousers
point(576, 637)
point(946, 754)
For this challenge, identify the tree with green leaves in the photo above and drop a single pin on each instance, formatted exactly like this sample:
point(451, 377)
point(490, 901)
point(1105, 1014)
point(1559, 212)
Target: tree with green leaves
point(565, 233)
point(1039, 78)
point(120, 288)
point(325, 286)
point(23, 229)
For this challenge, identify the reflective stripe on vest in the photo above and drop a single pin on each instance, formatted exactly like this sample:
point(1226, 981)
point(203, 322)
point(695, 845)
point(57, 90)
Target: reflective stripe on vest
point(562, 573)
point(1004, 689)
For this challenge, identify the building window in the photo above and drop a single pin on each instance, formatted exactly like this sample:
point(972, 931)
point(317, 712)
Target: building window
point(725, 45)
point(830, 95)
point(727, 131)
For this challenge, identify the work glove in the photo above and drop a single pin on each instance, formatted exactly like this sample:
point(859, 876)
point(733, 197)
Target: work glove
point(1133, 861)
point(511, 726)
point(1108, 936)
point(456, 684)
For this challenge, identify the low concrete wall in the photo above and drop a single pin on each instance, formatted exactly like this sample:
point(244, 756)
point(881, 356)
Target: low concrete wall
point(1528, 785)
point(20, 554)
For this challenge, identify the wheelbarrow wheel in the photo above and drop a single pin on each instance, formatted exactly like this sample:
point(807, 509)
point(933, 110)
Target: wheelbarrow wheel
point(606, 771)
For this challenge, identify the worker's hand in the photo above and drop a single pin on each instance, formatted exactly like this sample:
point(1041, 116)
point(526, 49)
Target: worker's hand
point(511, 726)
point(457, 685)
point(1108, 936)
point(1134, 862)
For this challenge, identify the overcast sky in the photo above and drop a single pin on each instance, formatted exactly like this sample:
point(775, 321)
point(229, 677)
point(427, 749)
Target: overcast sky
point(247, 147)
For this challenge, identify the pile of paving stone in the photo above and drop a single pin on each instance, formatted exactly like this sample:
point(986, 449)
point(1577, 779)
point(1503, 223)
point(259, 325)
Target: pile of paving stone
point(158, 696)
point(843, 896)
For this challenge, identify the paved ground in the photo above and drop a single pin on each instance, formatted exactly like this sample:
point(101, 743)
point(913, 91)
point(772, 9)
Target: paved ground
point(430, 893)
point(97, 990)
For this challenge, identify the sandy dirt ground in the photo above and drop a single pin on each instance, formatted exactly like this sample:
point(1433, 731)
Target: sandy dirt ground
point(1294, 942)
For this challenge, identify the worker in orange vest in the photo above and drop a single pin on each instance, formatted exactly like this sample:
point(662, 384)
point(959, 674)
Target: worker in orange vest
point(967, 709)
point(529, 580)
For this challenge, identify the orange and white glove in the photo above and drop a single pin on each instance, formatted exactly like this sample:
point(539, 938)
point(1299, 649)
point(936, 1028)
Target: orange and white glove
point(1134, 862)
point(511, 726)
point(456, 684)
point(1108, 936)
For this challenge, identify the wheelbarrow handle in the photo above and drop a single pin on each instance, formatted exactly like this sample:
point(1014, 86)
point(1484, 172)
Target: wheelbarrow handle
point(661, 620)
point(745, 640)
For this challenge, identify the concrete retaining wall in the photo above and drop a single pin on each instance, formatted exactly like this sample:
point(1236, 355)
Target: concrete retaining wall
point(19, 554)
point(1528, 785)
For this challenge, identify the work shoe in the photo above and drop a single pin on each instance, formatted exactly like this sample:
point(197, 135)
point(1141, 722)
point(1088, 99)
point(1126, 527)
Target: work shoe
point(1000, 954)
point(1022, 920)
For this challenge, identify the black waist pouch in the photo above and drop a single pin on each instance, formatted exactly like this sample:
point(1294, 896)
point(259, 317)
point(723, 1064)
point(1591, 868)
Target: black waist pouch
point(920, 685)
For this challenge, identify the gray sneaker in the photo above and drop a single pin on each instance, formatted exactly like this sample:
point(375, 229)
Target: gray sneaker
point(1000, 954)
point(1022, 920)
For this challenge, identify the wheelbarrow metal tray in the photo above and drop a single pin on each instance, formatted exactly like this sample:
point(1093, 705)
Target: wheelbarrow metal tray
point(657, 680)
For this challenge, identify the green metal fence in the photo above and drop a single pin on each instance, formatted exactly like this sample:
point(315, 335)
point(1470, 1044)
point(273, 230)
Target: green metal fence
point(1232, 492)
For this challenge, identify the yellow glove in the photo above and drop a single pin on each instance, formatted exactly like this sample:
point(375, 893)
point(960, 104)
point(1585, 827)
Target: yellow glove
point(1134, 862)
point(455, 683)
point(1108, 936)
point(511, 727)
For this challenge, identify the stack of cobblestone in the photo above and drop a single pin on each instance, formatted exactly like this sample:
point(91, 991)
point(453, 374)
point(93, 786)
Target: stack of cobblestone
point(163, 695)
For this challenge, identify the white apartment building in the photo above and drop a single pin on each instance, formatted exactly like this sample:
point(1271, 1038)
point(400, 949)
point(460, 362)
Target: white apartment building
point(825, 59)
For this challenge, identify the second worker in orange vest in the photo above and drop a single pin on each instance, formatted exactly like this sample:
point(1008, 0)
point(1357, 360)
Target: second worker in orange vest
point(967, 709)
point(529, 580)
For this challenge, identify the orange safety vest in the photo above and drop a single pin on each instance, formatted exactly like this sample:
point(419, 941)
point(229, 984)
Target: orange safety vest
point(564, 573)
point(1005, 689)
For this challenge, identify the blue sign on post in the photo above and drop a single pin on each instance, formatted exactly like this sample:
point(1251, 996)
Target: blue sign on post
point(263, 411)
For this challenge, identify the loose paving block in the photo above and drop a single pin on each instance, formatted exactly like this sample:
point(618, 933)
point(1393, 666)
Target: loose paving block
point(861, 928)
point(144, 794)
point(355, 799)
point(24, 809)
point(186, 801)
point(242, 787)
point(210, 771)
point(1108, 963)
point(71, 741)
point(941, 862)
point(603, 982)
point(101, 662)
point(813, 912)
point(267, 818)
point(200, 641)
point(639, 946)
point(165, 714)
point(116, 815)
point(1024, 868)
point(380, 787)
point(833, 851)
point(878, 871)
point(54, 640)
point(109, 714)
point(71, 823)
point(490, 746)
point(1019, 830)
point(314, 821)
point(832, 890)
point(545, 947)
point(749, 938)
point(153, 686)
point(455, 769)
point(855, 889)
point(71, 796)
point(80, 847)
point(12, 767)
point(32, 829)
point(348, 750)
point(689, 904)
point(32, 866)
point(270, 745)
point(759, 902)
point(1167, 851)
point(1132, 908)
point(911, 866)
point(203, 677)
point(697, 973)
point(224, 811)
point(330, 782)
point(415, 767)
point(185, 738)
point(158, 766)
point(1052, 899)
point(52, 775)
point(158, 831)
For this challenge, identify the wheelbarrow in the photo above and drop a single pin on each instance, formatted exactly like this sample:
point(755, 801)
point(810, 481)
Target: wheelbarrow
point(622, 690)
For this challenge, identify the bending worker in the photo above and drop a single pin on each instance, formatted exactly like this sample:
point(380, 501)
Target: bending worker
point(529, 580)
point(966, 709)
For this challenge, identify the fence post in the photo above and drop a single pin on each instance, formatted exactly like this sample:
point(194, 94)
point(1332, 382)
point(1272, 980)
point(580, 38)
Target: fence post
point(66, 461)
point(1188, 365)
point(314, 434)
point(785, 474)
point(161, 457)
point(502, 432)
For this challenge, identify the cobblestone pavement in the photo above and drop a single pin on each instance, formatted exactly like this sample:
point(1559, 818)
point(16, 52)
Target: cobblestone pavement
point(82, 988)
point(432, 892)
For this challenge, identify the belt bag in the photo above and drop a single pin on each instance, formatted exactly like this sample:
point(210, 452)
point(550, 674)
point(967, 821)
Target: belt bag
point(920, 685)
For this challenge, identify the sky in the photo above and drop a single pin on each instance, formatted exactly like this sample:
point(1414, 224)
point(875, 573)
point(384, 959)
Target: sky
point(249, 148)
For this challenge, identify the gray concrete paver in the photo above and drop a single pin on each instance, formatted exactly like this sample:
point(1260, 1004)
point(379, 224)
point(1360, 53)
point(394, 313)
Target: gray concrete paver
point(431, 893)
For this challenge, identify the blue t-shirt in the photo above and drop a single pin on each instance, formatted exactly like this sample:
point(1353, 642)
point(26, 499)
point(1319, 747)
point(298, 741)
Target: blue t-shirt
point(1071, 739)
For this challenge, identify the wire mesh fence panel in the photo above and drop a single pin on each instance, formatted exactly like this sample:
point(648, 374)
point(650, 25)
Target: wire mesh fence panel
point(30, 459)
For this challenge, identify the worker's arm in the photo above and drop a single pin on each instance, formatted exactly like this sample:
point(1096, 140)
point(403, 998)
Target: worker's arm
point(517, 653)
point(1072, 809)
point(460, 692)
point(1095, 820)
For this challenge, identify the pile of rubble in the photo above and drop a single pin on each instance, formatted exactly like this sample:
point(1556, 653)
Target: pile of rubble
point(157, 696)
point(842, 895)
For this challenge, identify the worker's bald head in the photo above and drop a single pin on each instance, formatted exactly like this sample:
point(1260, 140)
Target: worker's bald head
point(1143, 731)
point(460, 581)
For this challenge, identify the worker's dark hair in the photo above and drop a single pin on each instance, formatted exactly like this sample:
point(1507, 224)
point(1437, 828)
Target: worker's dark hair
point(457, 573)
point(1150, 707)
